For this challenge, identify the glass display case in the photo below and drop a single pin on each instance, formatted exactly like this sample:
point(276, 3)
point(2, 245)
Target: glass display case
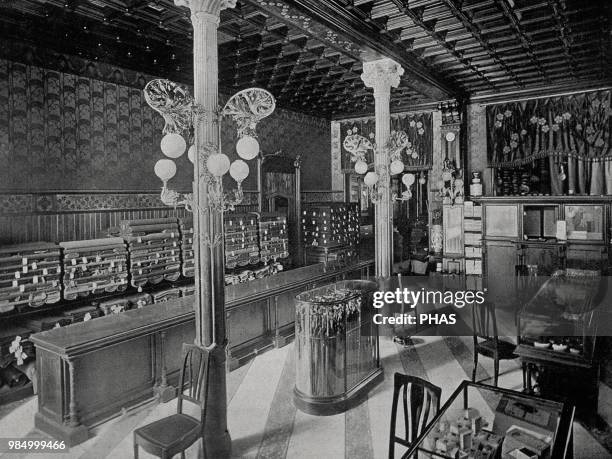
point(561, 318)
point(489, 422)
point(336, 346)
point(558, 331)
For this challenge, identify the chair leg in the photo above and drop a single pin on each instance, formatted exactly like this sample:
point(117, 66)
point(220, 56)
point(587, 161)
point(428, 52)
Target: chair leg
point(135, 450)
point(475, 365)
point(391, 449)
point(182, 454)
point(496, 370)
point(204, 448)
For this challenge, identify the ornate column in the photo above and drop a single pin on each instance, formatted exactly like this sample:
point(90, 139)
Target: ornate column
point(382, 75)
point(208, 226)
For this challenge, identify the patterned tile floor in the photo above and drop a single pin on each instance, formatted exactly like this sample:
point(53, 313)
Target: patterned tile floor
point(264, 423)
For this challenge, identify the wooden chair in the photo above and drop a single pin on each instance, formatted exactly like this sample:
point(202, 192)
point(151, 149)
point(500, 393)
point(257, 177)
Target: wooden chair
point(486, 339)
point(175, 433)
point(421, 403)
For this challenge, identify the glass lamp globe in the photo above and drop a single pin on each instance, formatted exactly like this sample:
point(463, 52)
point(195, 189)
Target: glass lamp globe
point(370, 178)
point(165, 169)
point(218, 164)
point(361, 167)
point(239, 170)
point(408, 179)
point(173, 145)
point(247, 147)
point(191, 153)
point(422, 180)
point(396, 167)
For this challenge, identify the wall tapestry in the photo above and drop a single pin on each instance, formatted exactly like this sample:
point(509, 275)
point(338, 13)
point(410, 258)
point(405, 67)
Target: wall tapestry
point(556, 145)
point(418, 127)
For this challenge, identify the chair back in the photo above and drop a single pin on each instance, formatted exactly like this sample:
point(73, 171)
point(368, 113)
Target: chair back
point(420, 404)
point(484, 322)
point(193, 383)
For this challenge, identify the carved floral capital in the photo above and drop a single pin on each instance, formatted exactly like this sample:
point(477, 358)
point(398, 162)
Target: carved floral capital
point(212, 7)
point(382, 75)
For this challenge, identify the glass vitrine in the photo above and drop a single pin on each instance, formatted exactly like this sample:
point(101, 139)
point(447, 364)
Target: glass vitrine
point(484, 421)
point(336, 346)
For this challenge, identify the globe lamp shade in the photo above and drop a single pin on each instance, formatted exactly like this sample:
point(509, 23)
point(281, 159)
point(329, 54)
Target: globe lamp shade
point(370, 178)
point(191, 153)
point(361, 167)
point(408, 179)
point(239, 170)
point(397, 167)
point(173, 145)
point(165, 169)
point(218, 164)
point(247, 147)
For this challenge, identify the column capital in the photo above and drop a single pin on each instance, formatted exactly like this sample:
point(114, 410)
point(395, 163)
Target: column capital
point(212, 7)
point(382, 75)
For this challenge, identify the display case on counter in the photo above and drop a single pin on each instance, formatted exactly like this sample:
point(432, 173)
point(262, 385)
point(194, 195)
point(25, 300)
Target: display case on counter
point(558, 329)
point(484, 421)
point(337, 355)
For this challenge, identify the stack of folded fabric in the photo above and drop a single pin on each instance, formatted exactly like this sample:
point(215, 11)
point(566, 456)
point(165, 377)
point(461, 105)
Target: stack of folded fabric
point(166, 295)
point(187, 257)
point(273, 240)
point(241, 240)
point(154, 246)
point(139, 301)
point(29, 275)
point(42, 323)
point(114, 306)
point(187, 290)
point(82, 314)
point(94, 266)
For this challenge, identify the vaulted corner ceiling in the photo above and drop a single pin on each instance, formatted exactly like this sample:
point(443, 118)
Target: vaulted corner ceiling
point(308, 53)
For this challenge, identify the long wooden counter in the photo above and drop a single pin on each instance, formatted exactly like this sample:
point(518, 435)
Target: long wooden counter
point(90, 371)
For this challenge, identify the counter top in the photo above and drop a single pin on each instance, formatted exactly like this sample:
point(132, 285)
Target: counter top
point(84, 337)
point(87, 336)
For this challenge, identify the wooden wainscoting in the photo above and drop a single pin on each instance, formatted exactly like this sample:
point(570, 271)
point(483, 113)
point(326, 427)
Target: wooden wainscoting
point(72, 216)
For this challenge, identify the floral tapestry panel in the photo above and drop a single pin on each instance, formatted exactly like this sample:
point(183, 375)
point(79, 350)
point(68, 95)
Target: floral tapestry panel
point(576, 125)
point(418, 128)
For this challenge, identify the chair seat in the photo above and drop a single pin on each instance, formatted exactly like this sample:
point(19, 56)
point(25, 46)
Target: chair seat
point(505, 349)
point(178, 429)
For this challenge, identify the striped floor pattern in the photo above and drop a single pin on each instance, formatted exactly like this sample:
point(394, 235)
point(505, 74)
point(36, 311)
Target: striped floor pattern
point(264, 423)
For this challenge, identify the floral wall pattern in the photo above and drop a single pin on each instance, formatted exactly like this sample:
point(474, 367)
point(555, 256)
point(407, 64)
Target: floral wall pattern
point(571, 133)
point(73, 124)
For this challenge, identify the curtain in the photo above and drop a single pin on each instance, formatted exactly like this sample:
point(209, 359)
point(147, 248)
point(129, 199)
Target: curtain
point(571, 133)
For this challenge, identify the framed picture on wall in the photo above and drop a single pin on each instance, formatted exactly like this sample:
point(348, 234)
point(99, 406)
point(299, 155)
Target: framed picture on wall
point(584, 221)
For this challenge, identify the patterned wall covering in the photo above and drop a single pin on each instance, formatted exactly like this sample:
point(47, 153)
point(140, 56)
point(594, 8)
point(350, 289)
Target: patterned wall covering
point(83, 127)
point(71, 124)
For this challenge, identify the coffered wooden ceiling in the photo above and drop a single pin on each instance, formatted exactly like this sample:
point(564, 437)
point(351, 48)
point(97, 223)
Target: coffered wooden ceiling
point(308, 53)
